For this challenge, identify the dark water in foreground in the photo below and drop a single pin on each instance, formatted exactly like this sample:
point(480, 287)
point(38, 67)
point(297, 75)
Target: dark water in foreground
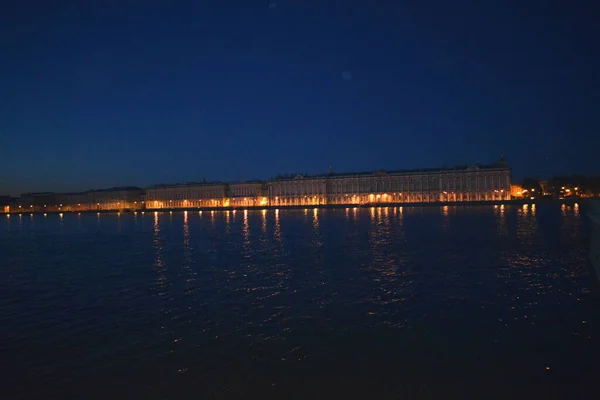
point(461, 302)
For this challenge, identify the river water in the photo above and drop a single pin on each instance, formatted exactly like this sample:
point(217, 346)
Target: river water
point(391, 302)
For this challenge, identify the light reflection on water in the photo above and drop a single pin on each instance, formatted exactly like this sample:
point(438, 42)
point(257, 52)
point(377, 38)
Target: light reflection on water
point(222, 296)
point(501, 223)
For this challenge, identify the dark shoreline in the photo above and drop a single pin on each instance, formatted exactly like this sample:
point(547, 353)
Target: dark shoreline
point(317, 206)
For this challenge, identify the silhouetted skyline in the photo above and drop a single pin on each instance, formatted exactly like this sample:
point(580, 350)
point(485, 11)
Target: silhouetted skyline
point(112, 93)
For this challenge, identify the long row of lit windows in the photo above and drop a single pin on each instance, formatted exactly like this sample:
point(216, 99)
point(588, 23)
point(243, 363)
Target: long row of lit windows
point(484, 182)
point(318, 199)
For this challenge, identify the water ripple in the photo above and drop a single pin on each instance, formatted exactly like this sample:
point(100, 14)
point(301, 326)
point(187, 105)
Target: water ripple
point(161, 304)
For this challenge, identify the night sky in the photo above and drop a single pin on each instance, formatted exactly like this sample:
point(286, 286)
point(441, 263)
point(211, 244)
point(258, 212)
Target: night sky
point(103, 93)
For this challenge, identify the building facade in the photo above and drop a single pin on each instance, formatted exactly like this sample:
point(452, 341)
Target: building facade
point(207, 195)
point(122, 198)
point(463, 184)
point(247, 194)
point(459, 184)
point(187, 195)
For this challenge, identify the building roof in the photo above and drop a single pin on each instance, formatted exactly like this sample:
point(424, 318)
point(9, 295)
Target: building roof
point(116, 189)
point(501, 165)
point(175, 185)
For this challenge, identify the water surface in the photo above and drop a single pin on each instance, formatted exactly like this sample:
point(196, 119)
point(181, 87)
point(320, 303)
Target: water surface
point(394, 302)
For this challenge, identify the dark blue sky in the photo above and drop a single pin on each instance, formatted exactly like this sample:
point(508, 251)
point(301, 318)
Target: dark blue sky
point(104, 93)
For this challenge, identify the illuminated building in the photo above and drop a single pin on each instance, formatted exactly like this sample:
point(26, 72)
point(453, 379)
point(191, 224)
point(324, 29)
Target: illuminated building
point(5, 202)
point(516, 191)
point(246, 194)
point(472, 183)
point(187, 195)
point(207, 195)
point(458, 184)
point(120, 198)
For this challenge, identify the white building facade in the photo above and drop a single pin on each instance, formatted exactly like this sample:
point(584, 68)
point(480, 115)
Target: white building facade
point(473, 183)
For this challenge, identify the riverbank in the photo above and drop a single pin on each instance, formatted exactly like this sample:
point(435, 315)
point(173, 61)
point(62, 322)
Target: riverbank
point(312, 206)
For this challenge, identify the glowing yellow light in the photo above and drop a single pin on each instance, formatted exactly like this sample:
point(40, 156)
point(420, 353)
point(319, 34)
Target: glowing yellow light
point(77, 204)
point(562, 187)
point(30, 206)
point(518, 193)
point(532, 198)
point(533, 190)
point(61, 215)
point(45, 214)
point(20, 206)
point(567, 190)
point(576, 188)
